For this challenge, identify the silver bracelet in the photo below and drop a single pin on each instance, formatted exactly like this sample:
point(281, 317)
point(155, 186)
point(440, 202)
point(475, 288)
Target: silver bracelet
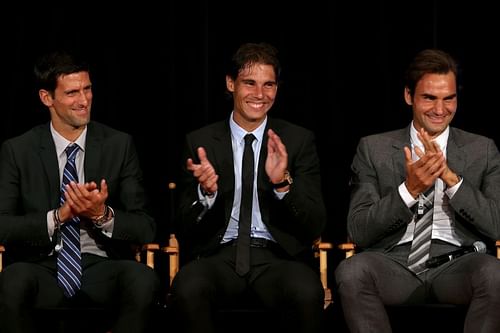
point(57, 230)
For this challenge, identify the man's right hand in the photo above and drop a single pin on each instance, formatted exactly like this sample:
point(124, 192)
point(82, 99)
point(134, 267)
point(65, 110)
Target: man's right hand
point(204, 172)
point(422, 174)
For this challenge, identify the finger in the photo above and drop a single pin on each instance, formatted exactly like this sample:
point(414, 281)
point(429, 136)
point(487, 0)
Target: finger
point(202, 154)
point(419, 152)
point(190, 164)
point(104, 188)
point(424, 138)
point(72, 200)
point(435, 147)
point(408, 156)
point(211, 184)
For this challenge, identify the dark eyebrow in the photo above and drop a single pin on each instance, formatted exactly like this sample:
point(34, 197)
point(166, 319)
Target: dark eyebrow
point(429, 96)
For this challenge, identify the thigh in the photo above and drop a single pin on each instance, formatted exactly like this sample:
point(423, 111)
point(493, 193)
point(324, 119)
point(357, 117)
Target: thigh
point(287, 281)
point(210, 277)
point(376, 273)
point(472, 274)
point(108, 281)
point(31, 283)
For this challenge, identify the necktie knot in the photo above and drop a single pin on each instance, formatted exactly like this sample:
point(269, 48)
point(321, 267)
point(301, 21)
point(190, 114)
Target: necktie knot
point(71, 151)
point(249, 139)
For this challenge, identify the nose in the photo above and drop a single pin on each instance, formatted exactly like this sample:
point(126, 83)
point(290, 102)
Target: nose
point(259, 91)
point(439, 107)
point(84, 98)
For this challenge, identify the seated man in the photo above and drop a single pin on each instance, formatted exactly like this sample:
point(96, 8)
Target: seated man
point(72, 205)
point(418, 193)
point(248, 224)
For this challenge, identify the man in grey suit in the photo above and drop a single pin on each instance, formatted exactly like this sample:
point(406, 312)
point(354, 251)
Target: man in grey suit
point(390, 173)
point(286, 215)
point(108, 203)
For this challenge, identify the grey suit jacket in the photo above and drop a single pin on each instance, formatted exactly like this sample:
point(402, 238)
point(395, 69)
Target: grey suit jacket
point(30, 187)
point(294, 222)
point(378, 217)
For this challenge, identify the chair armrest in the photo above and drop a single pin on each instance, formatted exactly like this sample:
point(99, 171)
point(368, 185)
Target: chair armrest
point(173, 253)
point(348, 248)
point(150, 250)
point(321, 250)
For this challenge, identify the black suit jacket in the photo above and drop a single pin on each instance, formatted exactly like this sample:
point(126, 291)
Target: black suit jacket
point(294, 222)
point(30, 187)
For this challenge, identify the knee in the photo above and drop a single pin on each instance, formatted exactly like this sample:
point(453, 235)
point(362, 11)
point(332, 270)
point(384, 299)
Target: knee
point(350, 273)
point(490, 276)
point(143, 287)
point(187, 287)
point(311, 294)
point(16, 279)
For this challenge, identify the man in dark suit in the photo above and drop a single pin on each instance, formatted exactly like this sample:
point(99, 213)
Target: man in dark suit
point(287, 214)
point(392, 173)
point(108, 201)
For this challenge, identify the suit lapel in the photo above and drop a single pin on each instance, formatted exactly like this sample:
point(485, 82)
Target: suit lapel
point(224, 164)
point(48, 157)
point(402, 139)
point(93, 153)
point(454, 154)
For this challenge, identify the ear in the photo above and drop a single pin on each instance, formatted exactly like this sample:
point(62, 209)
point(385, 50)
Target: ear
point(408, 96)
point(45, 97)
point(229, 83)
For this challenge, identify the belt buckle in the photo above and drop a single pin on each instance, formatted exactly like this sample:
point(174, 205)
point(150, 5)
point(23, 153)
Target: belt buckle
point(259, 242)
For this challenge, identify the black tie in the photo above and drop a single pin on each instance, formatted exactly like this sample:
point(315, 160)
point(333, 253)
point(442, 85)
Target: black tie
point(247, 177)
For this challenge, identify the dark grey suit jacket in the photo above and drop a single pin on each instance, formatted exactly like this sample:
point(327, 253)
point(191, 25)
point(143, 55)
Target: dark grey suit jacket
point(294, 222)
point(378, 217)
point(30, 187)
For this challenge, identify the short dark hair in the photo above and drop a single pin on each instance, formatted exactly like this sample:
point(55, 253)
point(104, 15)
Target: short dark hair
point(252, 53)
point(429, 61)
point(51, 66)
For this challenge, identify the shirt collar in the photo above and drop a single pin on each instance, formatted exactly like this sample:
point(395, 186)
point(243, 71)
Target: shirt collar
point(441, 140)
point(61, 143)
point(239, 133)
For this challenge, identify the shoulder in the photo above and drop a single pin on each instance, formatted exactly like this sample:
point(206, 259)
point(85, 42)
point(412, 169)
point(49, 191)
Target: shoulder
point(398, 138)
point(209, 134)
point(99, 130)
point(462, 138)
point(30, 138)
point(290, 133)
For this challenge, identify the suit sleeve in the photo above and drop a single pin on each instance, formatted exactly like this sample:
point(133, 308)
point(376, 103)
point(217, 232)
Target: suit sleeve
point(375, 211)
point(127, 196)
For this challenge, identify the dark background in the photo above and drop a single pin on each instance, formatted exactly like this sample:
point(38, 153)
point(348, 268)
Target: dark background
point(158, 72)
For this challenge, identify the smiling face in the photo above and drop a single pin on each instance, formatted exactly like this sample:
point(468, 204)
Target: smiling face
point(434, 102)
point(254, 91)
point(70, 103)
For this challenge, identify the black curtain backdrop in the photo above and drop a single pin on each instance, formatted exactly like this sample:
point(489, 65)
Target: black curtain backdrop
point(158, 72)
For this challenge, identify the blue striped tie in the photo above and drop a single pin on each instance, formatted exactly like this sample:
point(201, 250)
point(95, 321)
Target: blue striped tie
point(69, 268)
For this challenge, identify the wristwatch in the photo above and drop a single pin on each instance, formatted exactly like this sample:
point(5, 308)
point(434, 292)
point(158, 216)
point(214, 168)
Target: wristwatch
point(107, 216)
point(288, 181)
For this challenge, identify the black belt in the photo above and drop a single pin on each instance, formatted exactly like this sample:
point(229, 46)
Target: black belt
point(254, 242)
